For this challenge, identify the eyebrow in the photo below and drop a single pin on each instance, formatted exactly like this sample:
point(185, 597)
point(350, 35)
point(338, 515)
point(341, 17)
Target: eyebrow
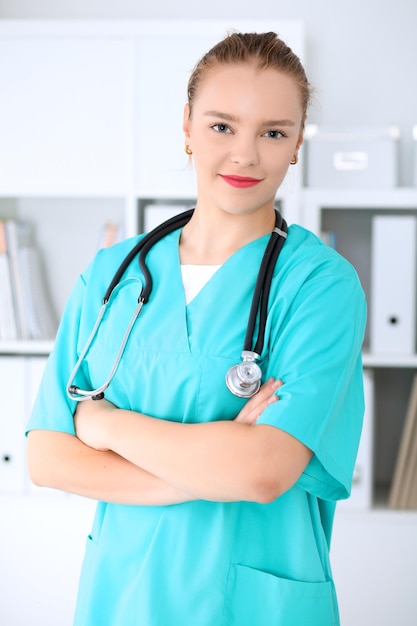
point(233, 118)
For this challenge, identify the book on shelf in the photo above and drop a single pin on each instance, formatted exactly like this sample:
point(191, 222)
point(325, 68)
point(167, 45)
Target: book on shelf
point(32, 308)
point(110, 233)
point(13, 245)
point(8, 327)
point(412, 486)
point(403, 493)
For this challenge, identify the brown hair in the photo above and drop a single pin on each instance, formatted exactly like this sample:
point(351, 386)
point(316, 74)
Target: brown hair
point(264, 49)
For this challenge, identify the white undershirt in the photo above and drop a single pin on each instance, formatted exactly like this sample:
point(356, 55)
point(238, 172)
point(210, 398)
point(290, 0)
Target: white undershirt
point(194, 277)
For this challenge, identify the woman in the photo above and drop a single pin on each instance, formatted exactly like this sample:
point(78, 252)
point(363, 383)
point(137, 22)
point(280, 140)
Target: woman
point(213, 509)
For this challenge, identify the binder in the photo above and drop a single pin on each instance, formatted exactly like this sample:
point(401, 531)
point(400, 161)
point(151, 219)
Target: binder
point(8, 327)
point(34, 315)
point(393, 284)
point(13, 245)
point(362, 484)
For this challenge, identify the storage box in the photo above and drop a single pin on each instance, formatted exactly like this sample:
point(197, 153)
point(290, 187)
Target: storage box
point(351, 157)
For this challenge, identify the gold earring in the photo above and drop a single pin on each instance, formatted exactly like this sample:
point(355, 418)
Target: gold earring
point(294, 160)
point(188, 150)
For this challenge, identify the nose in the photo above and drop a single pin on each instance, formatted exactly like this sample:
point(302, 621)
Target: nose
point(244, 153)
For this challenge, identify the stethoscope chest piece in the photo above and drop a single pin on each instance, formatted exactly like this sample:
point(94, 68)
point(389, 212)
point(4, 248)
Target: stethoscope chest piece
point(244, 379)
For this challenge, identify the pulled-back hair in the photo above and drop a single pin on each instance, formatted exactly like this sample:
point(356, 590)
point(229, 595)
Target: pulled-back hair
point(265, 50)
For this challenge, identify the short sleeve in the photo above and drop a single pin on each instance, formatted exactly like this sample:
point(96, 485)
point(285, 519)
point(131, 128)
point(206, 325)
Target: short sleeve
point(316, 351)
point(53, 410)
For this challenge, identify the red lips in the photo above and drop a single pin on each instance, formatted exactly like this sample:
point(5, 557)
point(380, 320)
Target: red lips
point(240, 181)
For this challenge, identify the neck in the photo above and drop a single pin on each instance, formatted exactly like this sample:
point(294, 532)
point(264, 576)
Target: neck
point(211, 238)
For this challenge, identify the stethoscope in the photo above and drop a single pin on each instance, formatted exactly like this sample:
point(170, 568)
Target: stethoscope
point(244, 379)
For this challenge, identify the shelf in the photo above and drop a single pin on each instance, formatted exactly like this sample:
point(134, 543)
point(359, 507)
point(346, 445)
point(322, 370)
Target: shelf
point(26, 348)
point(378, 512)
point(317, 201)
point(63, 192)
point(389, 360)
point(360, 198)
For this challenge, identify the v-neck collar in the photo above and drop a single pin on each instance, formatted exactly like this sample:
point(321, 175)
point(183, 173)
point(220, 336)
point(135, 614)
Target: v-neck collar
point(232, 284)
point(195, 277)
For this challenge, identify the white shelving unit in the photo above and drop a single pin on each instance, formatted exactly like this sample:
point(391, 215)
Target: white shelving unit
point(372, 543)
point(348, 214)
point(91, 131)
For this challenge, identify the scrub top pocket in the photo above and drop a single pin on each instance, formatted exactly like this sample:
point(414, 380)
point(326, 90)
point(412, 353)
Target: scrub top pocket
point(256, 597)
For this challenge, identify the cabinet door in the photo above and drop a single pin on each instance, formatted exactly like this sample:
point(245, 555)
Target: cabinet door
point(12, 414)
point(162, 69)
point(35, 366)
point(65, 114)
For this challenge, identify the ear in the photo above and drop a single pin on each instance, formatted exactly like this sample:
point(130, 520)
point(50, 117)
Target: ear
point(301, 135)
point(186, 122)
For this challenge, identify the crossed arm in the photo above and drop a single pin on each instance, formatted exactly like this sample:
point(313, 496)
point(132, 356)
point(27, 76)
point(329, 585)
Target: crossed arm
point(130, 458)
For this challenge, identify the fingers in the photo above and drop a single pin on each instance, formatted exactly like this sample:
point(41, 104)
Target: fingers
point(267, 390)
point(258, 403)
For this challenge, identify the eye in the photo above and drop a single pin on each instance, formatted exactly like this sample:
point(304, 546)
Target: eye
point(274, 134)
point(221, 128)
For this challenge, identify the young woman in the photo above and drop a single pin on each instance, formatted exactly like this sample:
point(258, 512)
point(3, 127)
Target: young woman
point(213, 509)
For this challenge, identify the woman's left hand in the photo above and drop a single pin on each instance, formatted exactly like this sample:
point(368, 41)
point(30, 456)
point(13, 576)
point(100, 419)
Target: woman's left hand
point(90, 420)
point(258, 403)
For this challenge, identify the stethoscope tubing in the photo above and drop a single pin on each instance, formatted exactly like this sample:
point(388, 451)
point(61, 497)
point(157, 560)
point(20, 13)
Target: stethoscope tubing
point(74, 392)
point(259, 302)
point(262, 288)
point(142, 248)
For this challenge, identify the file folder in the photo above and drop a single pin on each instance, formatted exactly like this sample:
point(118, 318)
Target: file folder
point(393, 284)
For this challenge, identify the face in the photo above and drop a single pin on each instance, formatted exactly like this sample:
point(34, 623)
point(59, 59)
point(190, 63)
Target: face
point(246, 126)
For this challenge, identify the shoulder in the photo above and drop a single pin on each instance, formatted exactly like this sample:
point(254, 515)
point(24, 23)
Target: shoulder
point(310, 273)
point(304, 254)
point(107, 260)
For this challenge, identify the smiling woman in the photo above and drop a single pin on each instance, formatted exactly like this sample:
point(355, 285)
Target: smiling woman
point(231, 500)
point(244, 127)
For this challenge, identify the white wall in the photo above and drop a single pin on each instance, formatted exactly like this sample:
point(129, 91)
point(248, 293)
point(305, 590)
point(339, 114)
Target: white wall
point(360, 54)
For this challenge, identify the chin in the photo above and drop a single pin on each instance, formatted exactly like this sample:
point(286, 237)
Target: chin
point(265, 207)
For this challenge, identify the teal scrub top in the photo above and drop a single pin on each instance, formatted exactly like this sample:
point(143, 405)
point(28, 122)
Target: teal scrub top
point(208, 563)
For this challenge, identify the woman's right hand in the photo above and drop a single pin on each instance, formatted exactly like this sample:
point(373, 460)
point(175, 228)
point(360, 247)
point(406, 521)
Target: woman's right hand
point(258, 403)
point(90, 422)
